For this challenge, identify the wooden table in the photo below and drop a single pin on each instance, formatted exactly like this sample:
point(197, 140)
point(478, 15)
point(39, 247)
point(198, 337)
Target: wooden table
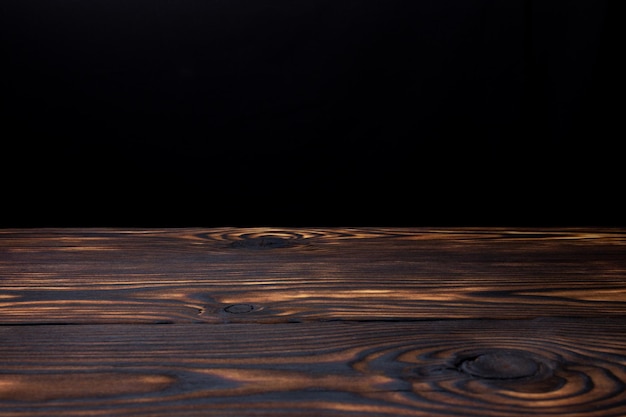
point(313, 322)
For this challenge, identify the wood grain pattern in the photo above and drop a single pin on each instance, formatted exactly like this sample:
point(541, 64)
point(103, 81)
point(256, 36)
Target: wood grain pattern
point(564, 367)
point(313, 322)
point(286, 275)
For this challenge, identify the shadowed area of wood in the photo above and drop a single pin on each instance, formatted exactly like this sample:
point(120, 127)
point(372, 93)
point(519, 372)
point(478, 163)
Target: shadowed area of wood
point(282, 275)
point(313, 322)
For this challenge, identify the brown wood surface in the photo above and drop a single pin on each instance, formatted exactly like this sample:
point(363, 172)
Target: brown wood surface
point(313, 322)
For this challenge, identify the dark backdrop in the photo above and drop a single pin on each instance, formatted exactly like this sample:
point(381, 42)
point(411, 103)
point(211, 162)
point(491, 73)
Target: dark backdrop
point(312, 112)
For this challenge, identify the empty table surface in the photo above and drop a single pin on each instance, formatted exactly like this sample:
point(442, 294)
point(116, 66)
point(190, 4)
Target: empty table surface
point(266, 321)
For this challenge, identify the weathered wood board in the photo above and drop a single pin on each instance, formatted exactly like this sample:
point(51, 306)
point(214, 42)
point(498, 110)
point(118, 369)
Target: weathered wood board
point(313, 322)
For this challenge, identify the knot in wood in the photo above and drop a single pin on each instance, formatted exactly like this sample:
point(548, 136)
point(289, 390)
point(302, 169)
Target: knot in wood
point(263, 242)
point(239, 308)
point(501, 365)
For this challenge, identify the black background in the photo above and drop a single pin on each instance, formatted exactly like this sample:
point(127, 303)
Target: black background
point(311, 112)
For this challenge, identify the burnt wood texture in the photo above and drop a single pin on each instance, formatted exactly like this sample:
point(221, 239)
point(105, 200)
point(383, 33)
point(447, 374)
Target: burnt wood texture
point(313, 322)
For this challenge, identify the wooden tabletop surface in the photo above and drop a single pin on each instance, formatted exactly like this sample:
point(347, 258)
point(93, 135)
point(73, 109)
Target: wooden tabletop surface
point(313, 322)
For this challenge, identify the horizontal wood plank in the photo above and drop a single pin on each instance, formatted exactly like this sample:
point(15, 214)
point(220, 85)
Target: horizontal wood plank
point(313, 322)
point(274, 275)
point(479, 368)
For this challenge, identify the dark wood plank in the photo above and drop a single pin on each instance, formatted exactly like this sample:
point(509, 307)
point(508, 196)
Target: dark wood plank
point(556, 367)
point(269, 275)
